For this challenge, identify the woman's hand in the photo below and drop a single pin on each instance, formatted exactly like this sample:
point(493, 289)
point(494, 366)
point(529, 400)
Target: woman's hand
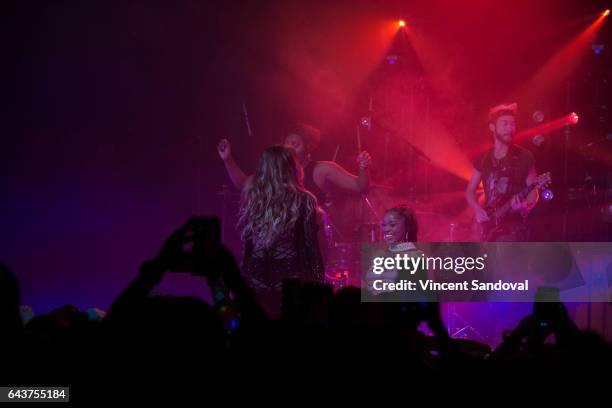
point(224, 148)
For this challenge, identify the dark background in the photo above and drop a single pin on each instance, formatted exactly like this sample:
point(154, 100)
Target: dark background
point(112, 111)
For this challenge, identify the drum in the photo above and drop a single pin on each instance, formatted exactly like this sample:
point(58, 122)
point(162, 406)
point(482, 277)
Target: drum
point(342, 265)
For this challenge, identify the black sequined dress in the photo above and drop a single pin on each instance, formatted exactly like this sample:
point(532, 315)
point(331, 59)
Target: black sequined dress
point(295, 254)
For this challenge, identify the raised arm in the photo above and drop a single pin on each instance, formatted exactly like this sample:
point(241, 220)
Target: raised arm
point(337, 175)
point(238, 177)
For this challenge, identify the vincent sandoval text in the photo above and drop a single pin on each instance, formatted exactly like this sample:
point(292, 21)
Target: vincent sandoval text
point(430, 285)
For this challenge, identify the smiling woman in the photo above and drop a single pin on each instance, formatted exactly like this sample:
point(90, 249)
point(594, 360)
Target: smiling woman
point(400, 225)
point(400, 230)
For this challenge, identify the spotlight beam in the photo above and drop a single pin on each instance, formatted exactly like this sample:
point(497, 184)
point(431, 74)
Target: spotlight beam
point(556, 124)
point(558, 67)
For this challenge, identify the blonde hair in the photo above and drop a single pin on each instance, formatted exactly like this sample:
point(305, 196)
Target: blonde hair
point(273, 199)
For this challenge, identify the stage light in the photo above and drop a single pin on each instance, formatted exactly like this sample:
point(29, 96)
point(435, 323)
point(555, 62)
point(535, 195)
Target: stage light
point(573, 118)
point(542, 129)
point(538, 140)
point(401, 23)
point(391, 59)
point(538, 116)
point(547, 195)
point(606, 13)
point(233, 324)
point(597, 48)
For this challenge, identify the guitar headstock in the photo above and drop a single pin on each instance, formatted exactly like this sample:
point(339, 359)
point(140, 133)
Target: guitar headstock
point(543, 180)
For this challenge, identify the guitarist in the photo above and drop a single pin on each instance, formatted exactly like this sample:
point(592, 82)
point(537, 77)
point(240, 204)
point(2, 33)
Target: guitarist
point(504, 171)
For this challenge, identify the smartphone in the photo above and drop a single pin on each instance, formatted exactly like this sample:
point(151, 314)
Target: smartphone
point(547, 307)
point(201, 246)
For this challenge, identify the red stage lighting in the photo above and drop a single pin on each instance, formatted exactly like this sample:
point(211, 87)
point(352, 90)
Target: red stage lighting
point(606, 13)
point(540, 130)
point(401, 23)
point(573, 118)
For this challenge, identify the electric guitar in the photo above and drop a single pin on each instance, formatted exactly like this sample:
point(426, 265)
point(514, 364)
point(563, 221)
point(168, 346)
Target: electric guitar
point(501, 206)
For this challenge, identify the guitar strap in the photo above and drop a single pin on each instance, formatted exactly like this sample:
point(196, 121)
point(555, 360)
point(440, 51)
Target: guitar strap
point(515, 182)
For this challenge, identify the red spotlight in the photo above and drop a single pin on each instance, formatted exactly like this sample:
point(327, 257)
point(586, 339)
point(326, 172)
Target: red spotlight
point(573, 118)
point(402, 23)
point(540, 130)
point(606, 13)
